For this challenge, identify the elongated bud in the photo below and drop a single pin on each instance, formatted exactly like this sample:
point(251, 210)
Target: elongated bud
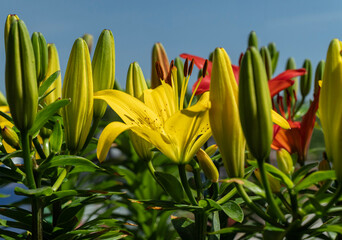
point(253, 40)
point(78, 86)
point(53, 66)
point(255, 104)
point(41, 55)
point(207, 165)
point(135, 86)
point(9, 20)
point(10, 137)
point(180, 72)
point(284, 160)
point(89, 40)
point(158, 55)
point(274, 55)
point(135, 82)
point(103, 66)
point(266, 58)
point(291, 64)
point(3, 101)
point(274, 183)
point(20, 77)
point(224, 114)
point(211, 150)
point(330, 105)
point(305, 80)
point(319, 75)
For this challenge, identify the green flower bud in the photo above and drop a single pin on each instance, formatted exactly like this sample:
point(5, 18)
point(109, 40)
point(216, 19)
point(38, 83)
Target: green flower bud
point(20, 77)
point(207, 165)
point(78, 86)
point(253, 40)
point(53, 66)
point(103, 65)
point(255, 104)
point(135, 82)
point(305, 80)
point(9, 20)
point(41, 55)
point(158, 55)
point(135, 86)
point(319, 74)
point(284, 160)
point(274, 55)
point(10, 137)
point(224, 114)
point(89, 40)
point(291, 64)
point(3, 101)
point(266, 58)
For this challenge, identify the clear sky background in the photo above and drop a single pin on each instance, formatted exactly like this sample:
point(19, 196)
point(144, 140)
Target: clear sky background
point(301, 29)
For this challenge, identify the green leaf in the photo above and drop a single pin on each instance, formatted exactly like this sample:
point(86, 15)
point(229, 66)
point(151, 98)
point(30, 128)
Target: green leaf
point(46, 113)
point(209, 203)
point(233, 210)
point(171, 185)
point(298, 175)
point(185, 227)
point(166, 205)
point(329, 228)
point(81, 164)
point(47, 83)
point(253, 188)
point(275, 172)
point(315, 178)
point(10, 174)
point(38, 192)
point(56, 138)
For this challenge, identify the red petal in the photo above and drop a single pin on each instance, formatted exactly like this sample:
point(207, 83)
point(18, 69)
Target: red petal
point(277, 85)
point(203, 87)
point(288, 74)
point(199, 62)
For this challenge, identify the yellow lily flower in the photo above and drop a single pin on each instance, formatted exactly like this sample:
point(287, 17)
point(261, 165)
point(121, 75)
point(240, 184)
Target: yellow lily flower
point(161, 120)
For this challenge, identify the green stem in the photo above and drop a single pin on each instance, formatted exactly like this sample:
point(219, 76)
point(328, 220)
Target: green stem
point(184, 180)
point(201, 219)
point(254, 207)
point(93, 128)
point(27, 160)
point(198, 183)
point(216, 189)
point(294, 203)
point(39, 148)
point(269, 195)
point(37, 214)
point(227, 196)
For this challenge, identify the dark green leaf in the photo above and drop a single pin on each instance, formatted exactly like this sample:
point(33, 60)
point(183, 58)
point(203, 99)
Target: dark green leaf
point(301, 172)
point(80, 163)
point(47, 83)
point(39, 192)
point(185, 227)
point(209, 204)
point(315, 178)
point(46, 113)
point(171, 185)
point(56, 138)
point(233, 210)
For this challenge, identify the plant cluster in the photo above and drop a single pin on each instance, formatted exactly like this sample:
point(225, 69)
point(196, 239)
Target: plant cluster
point(163, 163)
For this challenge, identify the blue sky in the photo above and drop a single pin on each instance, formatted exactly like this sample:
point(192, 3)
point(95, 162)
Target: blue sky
point(301, 29)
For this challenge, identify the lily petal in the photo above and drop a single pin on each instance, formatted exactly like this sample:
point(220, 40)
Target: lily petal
point(279, 120)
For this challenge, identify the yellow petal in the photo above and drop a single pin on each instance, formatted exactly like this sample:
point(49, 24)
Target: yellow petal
point(320, 83)
point(279, 120)
point(130, 109)
point(108, 135)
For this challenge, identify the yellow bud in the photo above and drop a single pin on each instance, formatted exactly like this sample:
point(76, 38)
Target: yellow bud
point(10, 137)
point(78, 86)
point(284, 160)
point(53, 66)
point(207, 165)
point(330, 105)
point(211, 150)
point(224, 114)
point(9, 20)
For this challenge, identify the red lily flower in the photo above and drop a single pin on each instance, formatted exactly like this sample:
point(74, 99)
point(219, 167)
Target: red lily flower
point(277, 84)
point(297, 139)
